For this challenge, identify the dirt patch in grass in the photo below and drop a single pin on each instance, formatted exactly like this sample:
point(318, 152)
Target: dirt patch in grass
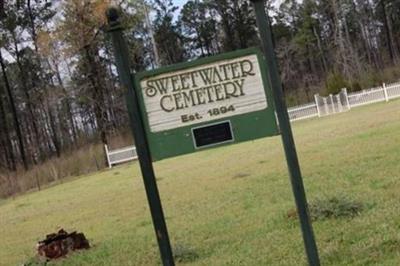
point(36, 261)
point(331, 208)
point(241, 175)
point(184, 254)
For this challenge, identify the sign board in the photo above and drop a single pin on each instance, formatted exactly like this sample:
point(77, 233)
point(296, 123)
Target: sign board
point(208, 102)
point(204, 103)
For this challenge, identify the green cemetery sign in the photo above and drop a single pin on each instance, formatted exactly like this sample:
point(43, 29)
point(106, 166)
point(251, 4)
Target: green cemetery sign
point(205, 103)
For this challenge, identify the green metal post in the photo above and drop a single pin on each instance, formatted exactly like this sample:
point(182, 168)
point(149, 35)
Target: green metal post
point(146, 164)
point(286, 133)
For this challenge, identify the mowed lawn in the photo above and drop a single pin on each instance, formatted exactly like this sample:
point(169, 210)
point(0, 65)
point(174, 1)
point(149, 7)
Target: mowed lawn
point(228, 206)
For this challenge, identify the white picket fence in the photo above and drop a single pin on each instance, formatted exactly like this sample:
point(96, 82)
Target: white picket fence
point(322, 106)
point(120, 155)
point(303, 112)
point(343, 101)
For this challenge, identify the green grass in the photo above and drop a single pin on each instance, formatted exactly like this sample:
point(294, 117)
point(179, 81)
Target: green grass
point(229, 206)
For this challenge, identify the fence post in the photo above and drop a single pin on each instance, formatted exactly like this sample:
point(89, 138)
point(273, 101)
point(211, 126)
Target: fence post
point(325, 105)
point(332, 103)
point(339, 103)
point(385, 92)
point(108, 156)
point(347, 98)
point(316, 103)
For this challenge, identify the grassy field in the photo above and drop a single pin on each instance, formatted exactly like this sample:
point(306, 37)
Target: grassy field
point(229, 206)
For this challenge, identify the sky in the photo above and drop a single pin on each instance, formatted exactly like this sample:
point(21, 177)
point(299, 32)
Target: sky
point(180, 3)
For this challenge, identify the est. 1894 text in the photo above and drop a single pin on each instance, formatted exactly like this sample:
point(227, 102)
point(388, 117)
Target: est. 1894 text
point(211, 112)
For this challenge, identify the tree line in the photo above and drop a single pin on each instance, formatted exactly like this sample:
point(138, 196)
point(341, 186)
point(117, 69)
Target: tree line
point(58, 83)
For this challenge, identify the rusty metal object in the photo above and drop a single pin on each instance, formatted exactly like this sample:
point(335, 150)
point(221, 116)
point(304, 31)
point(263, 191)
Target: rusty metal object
point(59, 244)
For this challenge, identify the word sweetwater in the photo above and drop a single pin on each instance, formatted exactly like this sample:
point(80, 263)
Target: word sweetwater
point(202, 86)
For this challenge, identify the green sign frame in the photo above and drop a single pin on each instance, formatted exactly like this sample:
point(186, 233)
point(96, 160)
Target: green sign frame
point(245, 127)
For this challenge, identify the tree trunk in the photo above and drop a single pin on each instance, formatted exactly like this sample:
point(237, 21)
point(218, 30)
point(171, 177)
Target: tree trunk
point(6, 137)
point(321, 51)
point(69, 114)
point(28, 98)
point(54, 134)
point(389, 33)
point(14, 113)
point(94, 78)
point(156, 55)
point(229, 40)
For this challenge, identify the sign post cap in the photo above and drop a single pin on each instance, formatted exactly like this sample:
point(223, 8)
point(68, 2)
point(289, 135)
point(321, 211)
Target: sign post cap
point(113, 15)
